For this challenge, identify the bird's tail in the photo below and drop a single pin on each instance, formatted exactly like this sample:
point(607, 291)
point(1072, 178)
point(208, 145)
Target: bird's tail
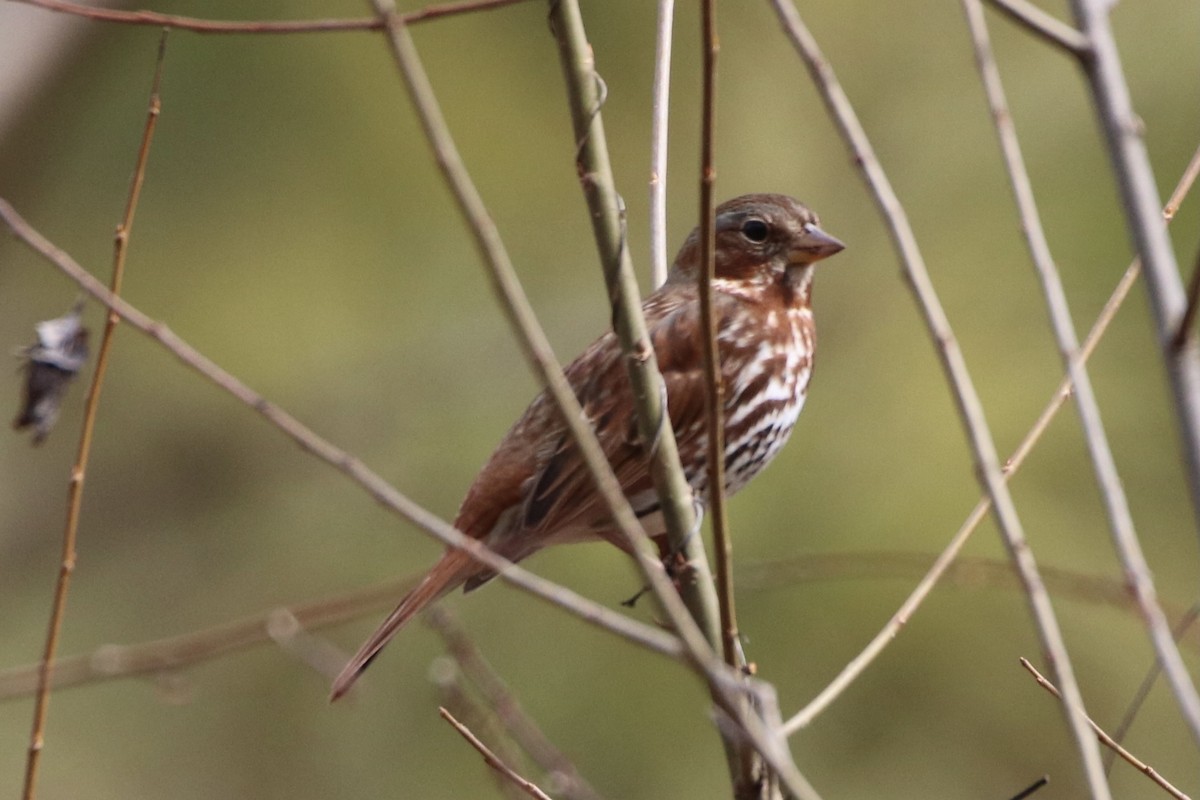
point(448, 574)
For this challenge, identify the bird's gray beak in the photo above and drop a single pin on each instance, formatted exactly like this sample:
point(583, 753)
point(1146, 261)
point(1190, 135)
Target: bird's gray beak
point(814, 245)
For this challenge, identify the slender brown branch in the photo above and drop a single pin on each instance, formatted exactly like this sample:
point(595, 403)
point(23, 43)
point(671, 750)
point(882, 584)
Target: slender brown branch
point(714, 395)
point(1039, 23)
point(504, 704)
point(859, 663)
point(79, 471)
point(197, 25)
point(1116, 505)
point(492, 760)
point(1107, 740)
point(746, 766)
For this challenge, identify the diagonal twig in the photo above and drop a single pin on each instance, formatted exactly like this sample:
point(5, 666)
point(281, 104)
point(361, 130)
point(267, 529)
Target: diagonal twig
point(962, 388)
point(1107, 740)
point(492, 760)
point(499, 698)
point(79, 471)
point(1039, 23)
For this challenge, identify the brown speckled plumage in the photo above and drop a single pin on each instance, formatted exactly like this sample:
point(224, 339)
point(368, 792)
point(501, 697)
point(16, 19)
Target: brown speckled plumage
point(535, 491)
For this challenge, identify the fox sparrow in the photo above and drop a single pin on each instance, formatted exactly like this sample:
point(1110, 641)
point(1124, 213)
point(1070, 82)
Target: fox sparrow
point(535, 491)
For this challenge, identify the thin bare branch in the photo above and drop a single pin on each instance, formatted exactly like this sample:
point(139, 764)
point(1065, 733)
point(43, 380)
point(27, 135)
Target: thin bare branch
point(1108, 741)
point(79, 471)
point(1116, 504)
point(504, 704)
point(161, 656)
point(958, 376)
point(158, 656)
point(714, 397)
point(464, 704)
point(1039, 23)
point(1140, 201)
point(378, 488)
point(1143, 691)
point(259, 26)
point(492, 760)
point(1032, 788)
point(659, 113)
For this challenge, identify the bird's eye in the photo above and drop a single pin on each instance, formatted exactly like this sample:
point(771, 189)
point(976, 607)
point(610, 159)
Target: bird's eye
point(755, 230)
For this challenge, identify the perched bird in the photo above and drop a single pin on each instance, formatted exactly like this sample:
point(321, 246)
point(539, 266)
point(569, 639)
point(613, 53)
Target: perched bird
point(535, 490)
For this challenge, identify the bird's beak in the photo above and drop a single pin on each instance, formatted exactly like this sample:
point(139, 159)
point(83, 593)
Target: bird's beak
point(814, 245)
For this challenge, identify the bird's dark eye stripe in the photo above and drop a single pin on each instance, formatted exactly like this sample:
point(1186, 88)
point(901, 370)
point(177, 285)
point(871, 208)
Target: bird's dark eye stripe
point(755, 230)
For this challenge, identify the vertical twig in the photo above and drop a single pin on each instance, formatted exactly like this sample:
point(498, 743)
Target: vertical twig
point(1139, 197)
point(1124, 535)
point(660, 111)
point(714, 395)
point(79, 470)
point(966, 398)
point(749, 777)
point(584, 90)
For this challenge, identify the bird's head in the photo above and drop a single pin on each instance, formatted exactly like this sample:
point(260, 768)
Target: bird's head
point(760, 238)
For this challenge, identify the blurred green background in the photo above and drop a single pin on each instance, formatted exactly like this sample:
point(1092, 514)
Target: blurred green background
point(294, 229)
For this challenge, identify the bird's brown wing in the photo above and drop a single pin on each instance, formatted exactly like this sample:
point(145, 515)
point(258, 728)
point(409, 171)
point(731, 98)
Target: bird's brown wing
point(563, 495)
